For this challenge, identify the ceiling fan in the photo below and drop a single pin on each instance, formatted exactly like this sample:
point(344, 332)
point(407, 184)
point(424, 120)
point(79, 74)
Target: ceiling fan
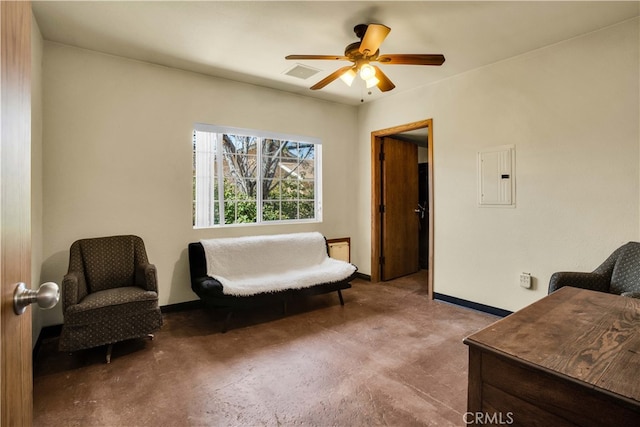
point(364, 52)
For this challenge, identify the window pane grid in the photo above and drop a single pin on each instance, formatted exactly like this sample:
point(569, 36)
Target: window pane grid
point(253, 180)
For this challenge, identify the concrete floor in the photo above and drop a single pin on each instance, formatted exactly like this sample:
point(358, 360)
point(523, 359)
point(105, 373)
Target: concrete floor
point(390, 356)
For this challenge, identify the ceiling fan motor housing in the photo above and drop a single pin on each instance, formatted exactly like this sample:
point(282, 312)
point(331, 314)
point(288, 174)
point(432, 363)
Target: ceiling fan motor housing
point(360, 29)
point(353, 53)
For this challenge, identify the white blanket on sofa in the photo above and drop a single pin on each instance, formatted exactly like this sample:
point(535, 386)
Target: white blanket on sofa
point(255, 264)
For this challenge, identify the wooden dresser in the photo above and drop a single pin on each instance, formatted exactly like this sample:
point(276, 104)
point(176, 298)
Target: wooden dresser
point(572, 358)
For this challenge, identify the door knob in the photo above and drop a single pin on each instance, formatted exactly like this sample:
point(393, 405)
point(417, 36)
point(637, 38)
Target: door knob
point(47, 296)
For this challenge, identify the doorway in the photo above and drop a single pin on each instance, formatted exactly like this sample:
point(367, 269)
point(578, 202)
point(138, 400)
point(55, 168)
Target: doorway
point(379, 235)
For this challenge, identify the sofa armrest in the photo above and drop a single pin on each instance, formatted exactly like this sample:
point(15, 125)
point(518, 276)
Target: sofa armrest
point(197, 261)
point(202, 285)
point(592, 281)
point(74, 289)
point(206, 286)
point(146, 277)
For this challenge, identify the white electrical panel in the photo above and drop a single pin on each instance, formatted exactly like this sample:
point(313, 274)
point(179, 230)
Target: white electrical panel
point(496, 180)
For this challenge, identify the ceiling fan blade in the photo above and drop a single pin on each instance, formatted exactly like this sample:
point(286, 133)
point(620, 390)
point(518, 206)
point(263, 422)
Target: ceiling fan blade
point(385, 84)
point(373, 38)
point(327, 57)
point(402, 59)
point(331, 77)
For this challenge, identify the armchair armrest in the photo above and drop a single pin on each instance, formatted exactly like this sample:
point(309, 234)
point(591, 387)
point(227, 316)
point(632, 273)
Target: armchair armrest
point(592, 281)
point(74, 289)
point(146, 277)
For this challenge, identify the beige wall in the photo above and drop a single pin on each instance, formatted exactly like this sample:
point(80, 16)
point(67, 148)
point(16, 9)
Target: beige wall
point(118, 160)
point(36, 169)
point(117, 149)
point(571, 110)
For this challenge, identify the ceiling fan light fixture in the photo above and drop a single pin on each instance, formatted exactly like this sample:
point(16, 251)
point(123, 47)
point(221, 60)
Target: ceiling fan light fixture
point(348, 77)
point(367, 72)
point(371, 82)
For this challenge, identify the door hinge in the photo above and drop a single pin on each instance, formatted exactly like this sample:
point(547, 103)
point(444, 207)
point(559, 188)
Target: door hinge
point(381, 209)
point(381, 260)
point(381, 156)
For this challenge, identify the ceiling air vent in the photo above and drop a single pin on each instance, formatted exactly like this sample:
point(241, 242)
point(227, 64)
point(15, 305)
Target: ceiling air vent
point(301, 71)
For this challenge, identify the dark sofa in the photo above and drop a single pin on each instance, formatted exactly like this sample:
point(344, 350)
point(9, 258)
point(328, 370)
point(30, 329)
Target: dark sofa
point(211, 292)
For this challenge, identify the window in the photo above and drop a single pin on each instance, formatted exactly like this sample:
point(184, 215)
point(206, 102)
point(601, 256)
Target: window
point(244, 176)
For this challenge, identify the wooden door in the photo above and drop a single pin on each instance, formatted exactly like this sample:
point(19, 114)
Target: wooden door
point(16, 389)
point(400, 222)
point(423, 199)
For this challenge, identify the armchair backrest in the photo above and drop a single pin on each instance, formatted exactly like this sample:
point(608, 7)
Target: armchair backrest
point(108, 262)
point(626, 273)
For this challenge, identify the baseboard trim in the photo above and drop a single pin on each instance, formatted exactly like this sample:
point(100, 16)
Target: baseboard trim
point(182, 306)
point(473, 305)
point(363, 276)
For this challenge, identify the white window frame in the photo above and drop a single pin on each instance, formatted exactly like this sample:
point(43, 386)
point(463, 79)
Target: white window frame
point(205, 159)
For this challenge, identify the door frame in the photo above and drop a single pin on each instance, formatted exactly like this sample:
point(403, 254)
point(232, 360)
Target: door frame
point(376, 139)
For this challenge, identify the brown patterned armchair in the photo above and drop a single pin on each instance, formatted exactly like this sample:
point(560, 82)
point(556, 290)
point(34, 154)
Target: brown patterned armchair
point(618, 274)
point(110, 294)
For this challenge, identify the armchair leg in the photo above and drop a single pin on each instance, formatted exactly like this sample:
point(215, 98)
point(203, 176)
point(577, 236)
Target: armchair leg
point(340, 296)
point(109, 350)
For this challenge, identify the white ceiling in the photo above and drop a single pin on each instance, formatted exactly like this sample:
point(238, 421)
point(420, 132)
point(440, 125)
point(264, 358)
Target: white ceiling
point(247, 40)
